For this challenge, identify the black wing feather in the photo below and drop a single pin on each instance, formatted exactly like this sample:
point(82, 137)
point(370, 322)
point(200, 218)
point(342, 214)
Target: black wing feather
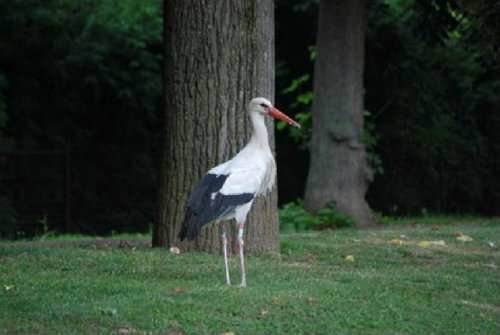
point(204, 208)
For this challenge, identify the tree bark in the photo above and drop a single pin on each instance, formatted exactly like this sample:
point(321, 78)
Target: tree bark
point(338, 169)
point(219, 54)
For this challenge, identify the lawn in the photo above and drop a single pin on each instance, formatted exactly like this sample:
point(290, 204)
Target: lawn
point(403, 281)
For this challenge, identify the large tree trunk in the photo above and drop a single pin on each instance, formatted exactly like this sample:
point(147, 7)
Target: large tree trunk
point(219, 54)
point(338, 169)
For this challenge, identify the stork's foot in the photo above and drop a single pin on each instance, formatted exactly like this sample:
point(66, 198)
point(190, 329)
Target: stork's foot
point(243, 282)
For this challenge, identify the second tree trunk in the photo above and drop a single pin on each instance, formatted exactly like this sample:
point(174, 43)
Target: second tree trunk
point(338, 170)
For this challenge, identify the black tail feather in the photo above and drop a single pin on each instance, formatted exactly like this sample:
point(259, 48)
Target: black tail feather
point(191, 226)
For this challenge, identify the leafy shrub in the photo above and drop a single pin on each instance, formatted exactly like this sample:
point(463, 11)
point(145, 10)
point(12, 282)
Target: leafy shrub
point(295, 218)
point(331, 217)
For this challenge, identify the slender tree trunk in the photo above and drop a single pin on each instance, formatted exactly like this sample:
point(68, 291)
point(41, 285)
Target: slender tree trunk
point(338, 169)
point(219, 54)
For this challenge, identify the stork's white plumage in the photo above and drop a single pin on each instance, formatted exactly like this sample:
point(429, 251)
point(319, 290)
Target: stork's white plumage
point(228, 190)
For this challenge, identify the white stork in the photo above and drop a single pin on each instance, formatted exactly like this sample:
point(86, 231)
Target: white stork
point(228, 190)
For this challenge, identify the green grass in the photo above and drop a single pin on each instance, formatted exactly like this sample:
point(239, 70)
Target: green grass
point(309, 289)
point(435, 219)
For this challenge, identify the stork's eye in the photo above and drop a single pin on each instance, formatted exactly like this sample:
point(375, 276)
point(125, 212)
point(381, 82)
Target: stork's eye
point(264, 105)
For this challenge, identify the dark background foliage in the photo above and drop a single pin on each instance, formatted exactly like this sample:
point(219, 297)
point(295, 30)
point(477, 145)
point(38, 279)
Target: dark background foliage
point(80, 92)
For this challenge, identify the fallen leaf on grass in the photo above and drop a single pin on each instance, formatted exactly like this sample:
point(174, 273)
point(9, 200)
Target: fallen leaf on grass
point(8, 287)
point(396, 241)
point(349, 258)
point(465, 238)
point(262, 312)
point(424, 244)
point(458, 233)
point(179, 290)
point(429, 243)
point(125, 330)
point(491, 244)
point(227, 333)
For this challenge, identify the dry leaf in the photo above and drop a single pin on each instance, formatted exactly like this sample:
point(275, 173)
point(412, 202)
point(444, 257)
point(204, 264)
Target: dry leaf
point(424, 244)
point(175, 250)
point(396, 241)
point(8, 287)
point(262, 312)
point(125, 330)
point(435, 227)
point(438, 243)
point(349, 258)
point(458, 233)
point(491, 244)
point(465, 238)
point(311, 299)
point(179, 290)
point(227, 333)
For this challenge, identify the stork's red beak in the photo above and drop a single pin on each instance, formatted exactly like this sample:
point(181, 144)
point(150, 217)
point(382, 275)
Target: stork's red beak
point(274, 112)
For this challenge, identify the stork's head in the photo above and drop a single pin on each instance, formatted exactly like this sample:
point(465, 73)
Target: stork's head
point(264, 106)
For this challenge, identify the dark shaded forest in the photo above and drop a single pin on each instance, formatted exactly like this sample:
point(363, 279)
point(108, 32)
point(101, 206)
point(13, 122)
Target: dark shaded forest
point(80, 101)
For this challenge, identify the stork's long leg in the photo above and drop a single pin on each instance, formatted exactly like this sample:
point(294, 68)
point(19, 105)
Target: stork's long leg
point(224, 249)
point(241, 227)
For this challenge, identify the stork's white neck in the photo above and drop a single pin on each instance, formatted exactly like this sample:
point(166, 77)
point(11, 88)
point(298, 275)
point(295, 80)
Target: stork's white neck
point(259, 135)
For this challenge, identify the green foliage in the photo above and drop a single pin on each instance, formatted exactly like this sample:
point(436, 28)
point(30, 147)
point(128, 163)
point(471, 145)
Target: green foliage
point(388, 289)
point(330, 216)
point(435, 99)
point(86, 75)
point(302, 102)
point(3, 103)
point(8, 219)
point(295, 218)
point(296, 83)
point(5, 142)
point(45, 230)
point(370, 139)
